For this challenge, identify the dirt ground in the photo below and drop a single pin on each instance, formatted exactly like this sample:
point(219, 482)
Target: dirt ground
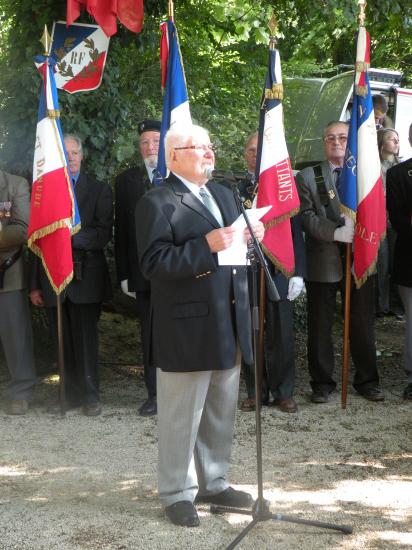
point(83, 483)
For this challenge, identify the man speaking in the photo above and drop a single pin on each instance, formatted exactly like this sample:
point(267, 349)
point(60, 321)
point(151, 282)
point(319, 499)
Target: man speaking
point(200, 325)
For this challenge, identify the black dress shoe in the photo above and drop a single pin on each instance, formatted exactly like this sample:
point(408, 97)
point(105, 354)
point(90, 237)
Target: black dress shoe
point(149, 407)
point(228, 497)
point(407, 392)
point(183, 513)
point(372, 394)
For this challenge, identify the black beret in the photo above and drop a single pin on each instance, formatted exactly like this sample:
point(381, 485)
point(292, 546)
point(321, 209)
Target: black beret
point(148, 125)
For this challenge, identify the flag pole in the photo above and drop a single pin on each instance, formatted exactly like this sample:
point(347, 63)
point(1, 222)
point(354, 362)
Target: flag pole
point(346, 326)
point(46, 41)
point(348, 279)
point(260, 364)
point(171, 10)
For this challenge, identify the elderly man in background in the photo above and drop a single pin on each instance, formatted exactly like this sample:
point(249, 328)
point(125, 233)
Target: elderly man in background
point(201, 323)
point(130, 186)
point(15, 326)
point(83, 297)
point(325, 229)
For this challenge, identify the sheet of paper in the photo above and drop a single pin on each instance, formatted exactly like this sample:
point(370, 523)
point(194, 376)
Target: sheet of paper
point(236, 253)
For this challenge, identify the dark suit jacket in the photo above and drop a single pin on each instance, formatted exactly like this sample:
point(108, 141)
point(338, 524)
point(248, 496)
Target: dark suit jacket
point(399, 204)
point(130, 186)
point(95, 203)
point(324, 264)
point(199, 308)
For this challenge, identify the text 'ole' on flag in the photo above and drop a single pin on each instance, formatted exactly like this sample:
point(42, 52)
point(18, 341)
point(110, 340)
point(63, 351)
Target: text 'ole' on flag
point(361, 190)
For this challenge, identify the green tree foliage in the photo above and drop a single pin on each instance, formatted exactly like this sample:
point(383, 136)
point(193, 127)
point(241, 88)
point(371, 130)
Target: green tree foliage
point(224, 48)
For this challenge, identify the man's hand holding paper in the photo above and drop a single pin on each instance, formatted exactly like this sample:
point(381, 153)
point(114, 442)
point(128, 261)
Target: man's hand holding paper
point(235, 254)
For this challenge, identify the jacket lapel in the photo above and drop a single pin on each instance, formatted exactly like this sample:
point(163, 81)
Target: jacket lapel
point(191, 201)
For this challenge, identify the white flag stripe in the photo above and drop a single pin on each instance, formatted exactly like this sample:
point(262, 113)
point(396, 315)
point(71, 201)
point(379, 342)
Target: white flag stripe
point(101, 43)
point(47, 156)
point(369, 166)
point(360, 51)
point(49, 95)
point(274, 148)
point(181, 114)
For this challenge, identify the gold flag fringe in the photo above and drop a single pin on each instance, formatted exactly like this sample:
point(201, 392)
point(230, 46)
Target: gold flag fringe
point(362, 66)
point(361, 90)
point(53, 113)
point(348, 212)
point(31, 243)
point(276, 92)
point(282, 218)
point(276, 262)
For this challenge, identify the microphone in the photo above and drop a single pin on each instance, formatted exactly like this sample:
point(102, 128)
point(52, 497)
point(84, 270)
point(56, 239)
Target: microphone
point(228, 176)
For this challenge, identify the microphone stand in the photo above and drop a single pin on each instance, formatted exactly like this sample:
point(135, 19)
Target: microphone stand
point(261, 509)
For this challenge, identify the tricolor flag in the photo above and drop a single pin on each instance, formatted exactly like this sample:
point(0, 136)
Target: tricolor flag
point(81, 51)
point(175, 100)
point(276, 184)
point(53, 211)
point(361, 190)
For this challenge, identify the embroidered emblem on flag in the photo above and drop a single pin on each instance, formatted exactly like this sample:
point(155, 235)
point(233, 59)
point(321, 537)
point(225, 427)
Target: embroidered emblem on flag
point(81, 51)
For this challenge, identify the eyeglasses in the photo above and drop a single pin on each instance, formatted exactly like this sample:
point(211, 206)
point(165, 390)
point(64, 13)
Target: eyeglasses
point(342, 138)
point(210, 147)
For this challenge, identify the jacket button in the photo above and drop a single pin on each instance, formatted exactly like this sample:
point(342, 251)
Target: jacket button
point(233, 301)
point(234, 271)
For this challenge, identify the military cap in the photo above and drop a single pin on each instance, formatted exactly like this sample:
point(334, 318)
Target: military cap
point(148, 125)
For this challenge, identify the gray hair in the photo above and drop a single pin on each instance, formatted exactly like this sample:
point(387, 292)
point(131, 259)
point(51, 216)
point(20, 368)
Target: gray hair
point(178, 135)
point(75, 138)
point(334, 123)
point(249, 139)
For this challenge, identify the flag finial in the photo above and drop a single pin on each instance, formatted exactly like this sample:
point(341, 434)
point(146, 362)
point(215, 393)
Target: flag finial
point(273, 27)
point(46, 41)
point(362, 15)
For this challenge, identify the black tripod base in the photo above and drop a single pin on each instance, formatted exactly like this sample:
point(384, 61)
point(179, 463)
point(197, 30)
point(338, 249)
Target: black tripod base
point(261, 512)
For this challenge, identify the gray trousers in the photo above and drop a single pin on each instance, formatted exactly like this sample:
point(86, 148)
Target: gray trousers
point(16, 337)
point(406, 296)
point(196, 415)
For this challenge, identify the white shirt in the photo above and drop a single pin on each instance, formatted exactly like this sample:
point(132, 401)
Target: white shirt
point(149, 170)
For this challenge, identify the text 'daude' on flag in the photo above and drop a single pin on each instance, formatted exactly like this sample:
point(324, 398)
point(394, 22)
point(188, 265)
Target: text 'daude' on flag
point(54, 215)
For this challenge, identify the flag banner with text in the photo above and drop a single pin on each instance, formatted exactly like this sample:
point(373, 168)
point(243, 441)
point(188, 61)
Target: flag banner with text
point(175, 99)
point(276, 183)
point(54, 216)
point(81, 52)
point(361, 189)
point(129, 12)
